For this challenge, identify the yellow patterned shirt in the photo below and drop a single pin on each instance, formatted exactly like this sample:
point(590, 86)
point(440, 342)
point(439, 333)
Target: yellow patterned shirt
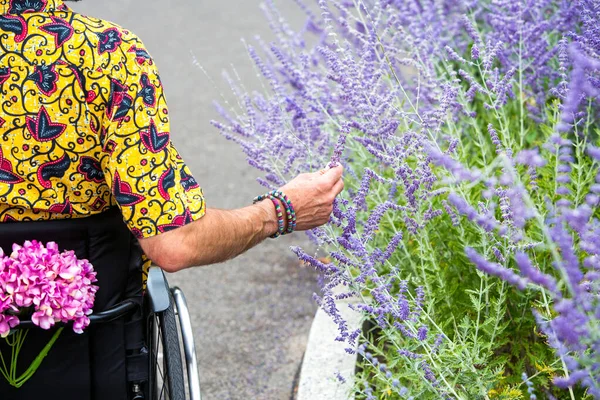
point(84, 124)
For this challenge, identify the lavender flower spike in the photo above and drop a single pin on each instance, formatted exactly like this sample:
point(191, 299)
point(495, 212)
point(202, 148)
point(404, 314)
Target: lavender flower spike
point(495, 269)
point(530, 158)
point(534, 274)
point(594, 152)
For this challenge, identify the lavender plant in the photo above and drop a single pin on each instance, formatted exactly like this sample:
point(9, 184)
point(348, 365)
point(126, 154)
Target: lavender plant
point(469, 229)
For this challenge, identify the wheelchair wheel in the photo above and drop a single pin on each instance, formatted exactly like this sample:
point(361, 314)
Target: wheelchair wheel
point(166, 371)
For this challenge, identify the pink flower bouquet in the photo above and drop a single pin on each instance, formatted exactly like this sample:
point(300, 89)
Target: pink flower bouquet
point(38, 281)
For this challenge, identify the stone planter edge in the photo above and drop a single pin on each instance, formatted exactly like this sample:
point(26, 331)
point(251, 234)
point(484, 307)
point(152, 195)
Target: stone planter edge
point(325, 357)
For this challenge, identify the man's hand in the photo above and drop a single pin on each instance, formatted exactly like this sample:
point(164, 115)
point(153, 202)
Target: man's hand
point(312, 195)
point(224, 234)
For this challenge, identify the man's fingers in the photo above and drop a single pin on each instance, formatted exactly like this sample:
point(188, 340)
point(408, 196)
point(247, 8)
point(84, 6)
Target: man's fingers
point(334, 174)
point(338, 187)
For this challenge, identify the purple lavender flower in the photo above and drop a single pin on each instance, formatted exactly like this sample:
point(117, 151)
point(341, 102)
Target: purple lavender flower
point(428, 373)
point(534, 274)
point(391, 247)
point(339, 148)
point(439, 340)
point(451, 213)
point(569, 262)
point(475, 52)
point(580, 86)
point(487, 222)
point(324, 268)
point(422, 333)
point(594, 152)
point(454, 55)
point(530, 158)
point(409, 354)
point(471, 30)
point(458, 169)
point(495, 269)
point(498, 255)
point(495, 139)
point(412, 132)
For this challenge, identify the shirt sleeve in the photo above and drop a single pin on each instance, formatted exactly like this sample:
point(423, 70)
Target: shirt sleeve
point(149, 180)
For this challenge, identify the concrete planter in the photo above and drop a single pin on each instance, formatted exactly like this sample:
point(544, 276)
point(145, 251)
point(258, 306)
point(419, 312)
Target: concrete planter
point(325, 357)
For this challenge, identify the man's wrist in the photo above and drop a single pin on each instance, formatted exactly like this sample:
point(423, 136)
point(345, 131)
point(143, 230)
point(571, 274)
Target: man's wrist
point(269, 217)
point(270, 222)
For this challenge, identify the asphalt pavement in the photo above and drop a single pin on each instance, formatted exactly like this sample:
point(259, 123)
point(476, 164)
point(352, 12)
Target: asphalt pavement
point(251, 315)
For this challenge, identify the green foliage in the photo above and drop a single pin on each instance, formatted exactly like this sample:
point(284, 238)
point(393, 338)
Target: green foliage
point(491, 339)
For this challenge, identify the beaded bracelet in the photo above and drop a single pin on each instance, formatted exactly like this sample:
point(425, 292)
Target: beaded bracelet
point(280, 221)
point(290, 212)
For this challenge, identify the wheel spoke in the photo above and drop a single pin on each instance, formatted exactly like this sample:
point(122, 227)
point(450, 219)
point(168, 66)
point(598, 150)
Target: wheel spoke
point(160, 365)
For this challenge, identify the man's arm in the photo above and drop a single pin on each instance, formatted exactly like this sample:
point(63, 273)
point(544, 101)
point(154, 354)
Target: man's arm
point(217, 236)
point(223, 234)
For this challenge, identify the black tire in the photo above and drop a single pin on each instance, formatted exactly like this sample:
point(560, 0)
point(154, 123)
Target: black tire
point(167, 379)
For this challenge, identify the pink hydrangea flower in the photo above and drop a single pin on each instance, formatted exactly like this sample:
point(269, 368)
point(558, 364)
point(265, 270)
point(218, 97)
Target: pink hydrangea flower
point(7, 321)
point(58, 286)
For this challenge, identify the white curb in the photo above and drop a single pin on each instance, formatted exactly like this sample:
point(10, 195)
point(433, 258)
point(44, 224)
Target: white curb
point(325, 357)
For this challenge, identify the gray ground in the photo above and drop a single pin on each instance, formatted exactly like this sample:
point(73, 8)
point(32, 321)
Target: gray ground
point(251, 315)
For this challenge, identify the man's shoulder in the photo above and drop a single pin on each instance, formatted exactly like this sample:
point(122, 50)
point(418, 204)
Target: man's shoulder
point(106, 36)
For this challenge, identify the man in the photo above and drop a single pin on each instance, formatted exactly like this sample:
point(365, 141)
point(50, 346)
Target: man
point(84, 130)
point(89, 119)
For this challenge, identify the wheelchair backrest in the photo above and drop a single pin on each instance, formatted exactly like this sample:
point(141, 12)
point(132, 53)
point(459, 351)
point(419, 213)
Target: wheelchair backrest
point(103, 239)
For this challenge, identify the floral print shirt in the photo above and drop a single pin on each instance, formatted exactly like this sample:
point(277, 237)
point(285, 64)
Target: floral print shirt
point(84, 123)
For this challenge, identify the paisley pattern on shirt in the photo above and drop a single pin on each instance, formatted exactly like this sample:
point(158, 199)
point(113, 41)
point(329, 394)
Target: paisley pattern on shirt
point(84, 123)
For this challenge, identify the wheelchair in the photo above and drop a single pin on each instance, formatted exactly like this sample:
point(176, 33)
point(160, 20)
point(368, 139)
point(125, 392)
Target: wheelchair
point(168, 329)
point(163, 306)
point(149, 329)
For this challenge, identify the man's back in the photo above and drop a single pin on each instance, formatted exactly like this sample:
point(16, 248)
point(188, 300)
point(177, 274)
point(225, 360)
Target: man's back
point(84, 123)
